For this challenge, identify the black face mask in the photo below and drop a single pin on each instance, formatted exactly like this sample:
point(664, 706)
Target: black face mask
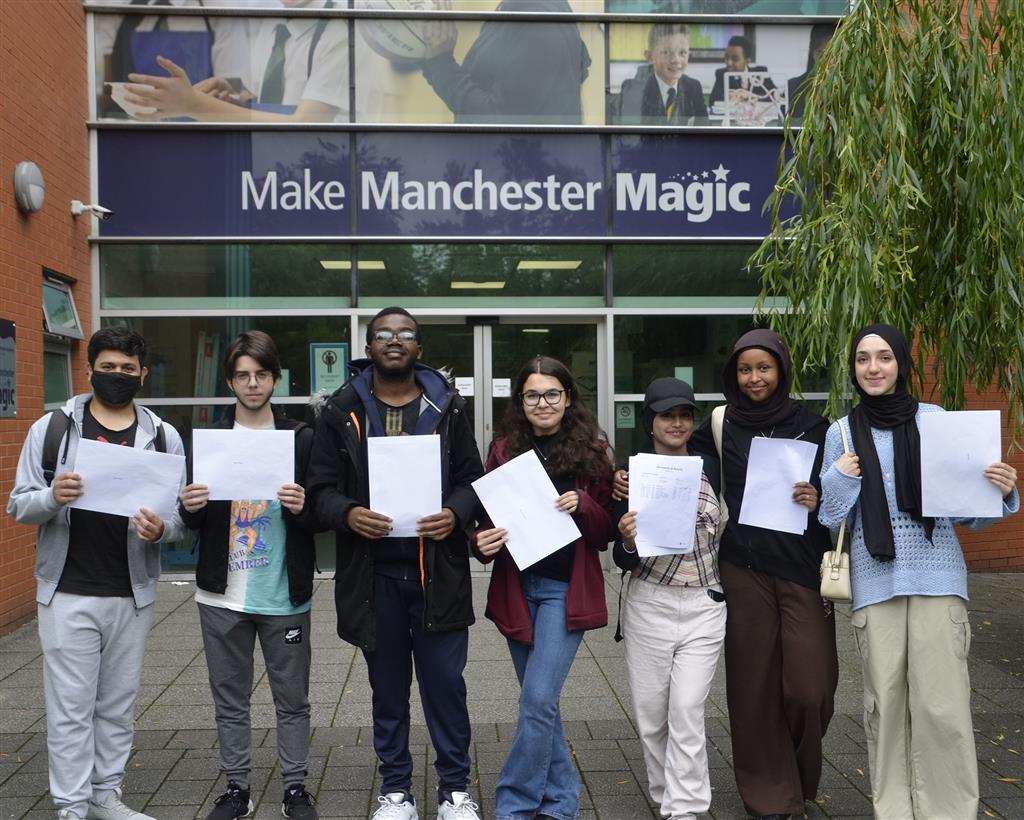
point(115, 389)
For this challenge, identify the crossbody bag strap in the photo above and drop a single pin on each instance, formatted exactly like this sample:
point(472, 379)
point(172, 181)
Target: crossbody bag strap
point(846, 449)
point(717, 424)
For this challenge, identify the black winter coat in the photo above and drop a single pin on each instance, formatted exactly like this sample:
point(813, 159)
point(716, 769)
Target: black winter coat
point(338, 481)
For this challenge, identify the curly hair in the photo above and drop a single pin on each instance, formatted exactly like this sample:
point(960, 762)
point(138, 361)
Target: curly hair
point(581, 450)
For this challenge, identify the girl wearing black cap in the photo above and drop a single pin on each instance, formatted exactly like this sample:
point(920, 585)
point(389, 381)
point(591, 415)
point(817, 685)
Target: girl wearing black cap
point(780, 652)
point(909, 591)
point(673, 622)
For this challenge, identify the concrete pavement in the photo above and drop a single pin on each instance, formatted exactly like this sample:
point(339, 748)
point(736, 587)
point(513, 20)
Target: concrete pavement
point(173, 773)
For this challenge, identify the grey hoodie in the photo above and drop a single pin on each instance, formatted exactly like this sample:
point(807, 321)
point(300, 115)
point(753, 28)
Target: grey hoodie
point(32, 502)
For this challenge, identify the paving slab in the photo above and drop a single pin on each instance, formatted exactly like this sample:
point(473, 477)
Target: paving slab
point(173, 771)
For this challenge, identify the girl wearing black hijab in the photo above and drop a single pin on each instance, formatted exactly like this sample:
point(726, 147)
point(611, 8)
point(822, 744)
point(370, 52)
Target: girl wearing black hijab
point(909, 591)
point(780, 650)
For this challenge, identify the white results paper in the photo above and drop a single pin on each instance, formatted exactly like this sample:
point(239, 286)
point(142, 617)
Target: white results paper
point(773, 467)
point(405, 479)
point(664, 491)
point(519, 497)
point(956, 448)
point(119, 480)
point(243, 463)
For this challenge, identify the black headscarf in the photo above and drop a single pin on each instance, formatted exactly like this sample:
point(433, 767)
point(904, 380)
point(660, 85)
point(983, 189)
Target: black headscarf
point(896, 411)
point(779, 406)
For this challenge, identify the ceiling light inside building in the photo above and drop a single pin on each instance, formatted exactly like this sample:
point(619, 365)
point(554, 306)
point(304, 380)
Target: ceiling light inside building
point(549, 264)
point(460, 285)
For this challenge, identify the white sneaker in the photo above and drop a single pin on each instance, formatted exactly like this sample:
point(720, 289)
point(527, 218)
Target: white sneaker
point(396, 806)
point(67, 814)
point(113, 809)
point(460, 807)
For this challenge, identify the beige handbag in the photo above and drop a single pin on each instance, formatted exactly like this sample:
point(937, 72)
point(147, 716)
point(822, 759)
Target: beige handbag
point(835, 564)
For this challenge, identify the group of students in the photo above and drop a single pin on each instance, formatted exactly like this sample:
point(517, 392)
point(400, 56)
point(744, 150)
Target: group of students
point(407, 603)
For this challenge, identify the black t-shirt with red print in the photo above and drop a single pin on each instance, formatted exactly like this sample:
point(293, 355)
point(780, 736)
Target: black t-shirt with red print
point(97, 562)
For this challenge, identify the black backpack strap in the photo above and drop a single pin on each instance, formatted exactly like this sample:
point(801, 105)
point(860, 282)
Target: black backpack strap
point(161, 439)
point(57, 428)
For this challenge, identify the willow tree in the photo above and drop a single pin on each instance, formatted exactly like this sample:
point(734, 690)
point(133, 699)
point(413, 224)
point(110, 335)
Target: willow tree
point(908, 182)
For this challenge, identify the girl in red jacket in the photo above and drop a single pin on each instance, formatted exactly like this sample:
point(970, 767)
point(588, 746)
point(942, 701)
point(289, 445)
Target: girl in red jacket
point(544, 609)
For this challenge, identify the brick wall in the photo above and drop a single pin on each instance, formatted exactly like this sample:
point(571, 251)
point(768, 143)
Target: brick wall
point(43, 108)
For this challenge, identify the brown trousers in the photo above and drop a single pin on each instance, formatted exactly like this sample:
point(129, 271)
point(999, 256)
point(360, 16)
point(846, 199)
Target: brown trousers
point(781, 675)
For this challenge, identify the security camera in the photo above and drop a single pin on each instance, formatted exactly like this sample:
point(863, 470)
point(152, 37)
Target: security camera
point(78, 208)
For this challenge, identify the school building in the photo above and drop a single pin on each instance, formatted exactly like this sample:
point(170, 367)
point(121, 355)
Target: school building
point(579, 178)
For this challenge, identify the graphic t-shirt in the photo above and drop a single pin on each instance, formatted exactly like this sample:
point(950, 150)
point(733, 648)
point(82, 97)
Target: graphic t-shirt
point(257, 573)
point(97, 562)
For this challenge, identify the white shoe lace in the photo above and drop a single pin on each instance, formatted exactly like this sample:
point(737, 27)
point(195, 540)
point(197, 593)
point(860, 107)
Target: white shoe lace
point(460, 807)
point(390, 809)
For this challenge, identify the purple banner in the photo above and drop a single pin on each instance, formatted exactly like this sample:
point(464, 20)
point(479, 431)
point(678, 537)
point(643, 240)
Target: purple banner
point(300, 183)
point(481, 185)
point(693, 185)
point(224, 183)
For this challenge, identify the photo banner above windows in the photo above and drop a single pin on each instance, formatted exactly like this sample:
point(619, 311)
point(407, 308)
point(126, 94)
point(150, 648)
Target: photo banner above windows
point(432, 185)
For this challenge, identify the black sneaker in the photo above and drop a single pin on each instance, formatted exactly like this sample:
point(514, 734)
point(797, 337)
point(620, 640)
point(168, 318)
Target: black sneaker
point(233, 803)
point(298, 804)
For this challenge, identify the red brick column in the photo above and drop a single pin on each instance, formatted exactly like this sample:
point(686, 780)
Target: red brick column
point(43, 109)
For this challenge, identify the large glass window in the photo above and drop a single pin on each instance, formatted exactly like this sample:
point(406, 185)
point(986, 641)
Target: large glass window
point(729, 6)
point(224, 69)
point(525, 275)
point(731, 74)
point(492, 71)
point(224, 276)
point(693, 348)
point(691, 274)
point(184, 353)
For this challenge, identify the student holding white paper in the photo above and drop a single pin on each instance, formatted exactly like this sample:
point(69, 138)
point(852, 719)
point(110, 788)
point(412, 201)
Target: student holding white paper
point(780, 651)
point(673, 622)
point(544, 609)
point(909, 590)
point(405, 599)
point(96, 579)
point(254, 579)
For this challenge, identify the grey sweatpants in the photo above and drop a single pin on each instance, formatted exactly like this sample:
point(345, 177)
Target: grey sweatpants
point(229, 639)
point(92, 658)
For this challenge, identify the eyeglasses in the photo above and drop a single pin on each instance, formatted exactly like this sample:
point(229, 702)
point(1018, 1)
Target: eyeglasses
point(261, 376)
point(385, 336)
point(531, 398)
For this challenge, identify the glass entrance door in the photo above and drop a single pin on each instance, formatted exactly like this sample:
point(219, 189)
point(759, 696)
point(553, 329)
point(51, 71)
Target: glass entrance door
point(484, 355)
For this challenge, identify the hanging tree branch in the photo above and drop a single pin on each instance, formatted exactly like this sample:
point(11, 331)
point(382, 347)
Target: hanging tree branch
point(908, 178)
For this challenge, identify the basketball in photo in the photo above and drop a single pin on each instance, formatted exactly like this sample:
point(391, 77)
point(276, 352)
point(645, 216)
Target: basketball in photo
point(400, 41)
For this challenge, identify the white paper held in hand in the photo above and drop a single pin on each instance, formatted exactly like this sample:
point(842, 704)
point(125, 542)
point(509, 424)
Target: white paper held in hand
point(956, 447)
point(119, 480)
point(773, 467)
point(243, 463)
point(405, 479)
point(519, 497)
point(664, 491)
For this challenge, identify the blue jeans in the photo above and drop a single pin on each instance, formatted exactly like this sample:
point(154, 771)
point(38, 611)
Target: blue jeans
point(539, 775)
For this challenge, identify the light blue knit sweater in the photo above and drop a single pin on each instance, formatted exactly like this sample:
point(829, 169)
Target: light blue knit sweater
point(920, 567)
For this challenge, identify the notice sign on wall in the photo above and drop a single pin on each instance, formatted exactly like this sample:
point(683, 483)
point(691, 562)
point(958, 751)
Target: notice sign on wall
point(328, 366)
point(8, 371)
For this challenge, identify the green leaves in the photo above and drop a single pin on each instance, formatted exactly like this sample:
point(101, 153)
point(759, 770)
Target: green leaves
point(909, 177)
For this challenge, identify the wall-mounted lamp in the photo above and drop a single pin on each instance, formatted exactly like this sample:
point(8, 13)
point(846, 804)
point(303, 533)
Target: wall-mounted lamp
point(29, 188)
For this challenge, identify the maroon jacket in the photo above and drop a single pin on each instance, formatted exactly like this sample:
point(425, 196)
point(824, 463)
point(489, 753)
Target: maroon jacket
point(585, 603)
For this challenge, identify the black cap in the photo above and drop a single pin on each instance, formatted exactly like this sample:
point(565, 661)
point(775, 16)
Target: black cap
point(666, 393)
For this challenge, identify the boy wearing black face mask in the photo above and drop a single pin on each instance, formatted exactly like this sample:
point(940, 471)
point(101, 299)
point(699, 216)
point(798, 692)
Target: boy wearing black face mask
point(96, 579)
